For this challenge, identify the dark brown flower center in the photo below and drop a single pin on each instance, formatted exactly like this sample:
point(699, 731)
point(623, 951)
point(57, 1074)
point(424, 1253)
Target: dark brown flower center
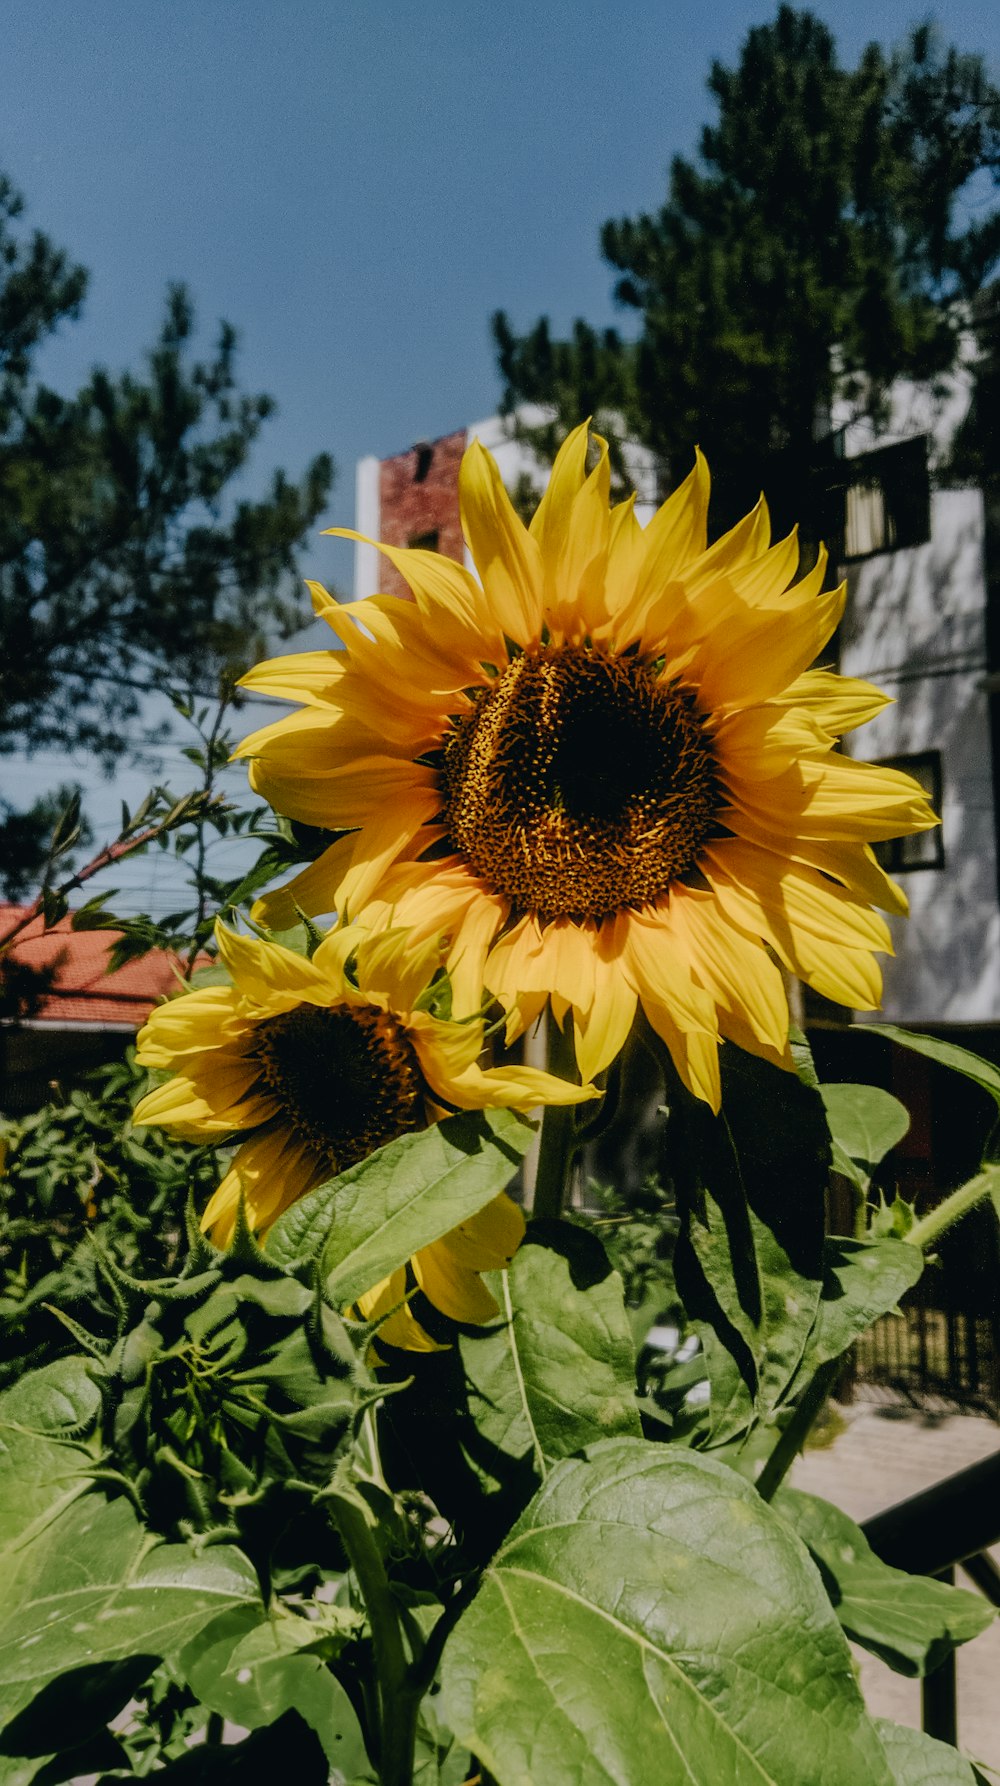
point(580, 783)
point(347, 1077)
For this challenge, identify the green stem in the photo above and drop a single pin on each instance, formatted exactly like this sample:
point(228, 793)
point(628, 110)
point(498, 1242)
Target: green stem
point(398, 1695)
point(796, 1432)
point(860, 1212)
point(558, 1139)
point(936, 1222)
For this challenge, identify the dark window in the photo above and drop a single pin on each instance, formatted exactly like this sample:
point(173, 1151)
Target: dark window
point(925, 849)
point(424, 542)
point(880, 501)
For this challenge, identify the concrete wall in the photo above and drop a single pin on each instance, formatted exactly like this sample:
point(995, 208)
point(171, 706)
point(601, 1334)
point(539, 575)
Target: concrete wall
point(915, 625)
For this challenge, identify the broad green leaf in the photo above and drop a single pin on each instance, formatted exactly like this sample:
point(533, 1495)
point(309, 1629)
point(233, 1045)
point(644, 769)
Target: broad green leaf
point(649, 1618)
point(253, 1668)
point(751, 1187)
point(374, 1216)
point(911, 1621)
point(558, 1370)
point(918, 1760)
point(862, 1280)
point(89, 1586)
point(61, 1398)
point(865, 1124)
point(44, 1465)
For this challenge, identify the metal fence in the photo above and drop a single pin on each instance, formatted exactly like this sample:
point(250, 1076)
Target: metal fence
point(943, 1347)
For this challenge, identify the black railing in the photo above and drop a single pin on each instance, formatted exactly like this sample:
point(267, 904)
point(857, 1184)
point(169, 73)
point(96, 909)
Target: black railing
point(948, 1526)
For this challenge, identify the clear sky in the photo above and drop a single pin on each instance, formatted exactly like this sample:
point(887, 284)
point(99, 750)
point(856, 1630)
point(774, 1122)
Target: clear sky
point(357, 186)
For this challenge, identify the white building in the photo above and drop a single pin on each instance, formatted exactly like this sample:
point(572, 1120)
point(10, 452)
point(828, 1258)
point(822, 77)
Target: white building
point(914, 554)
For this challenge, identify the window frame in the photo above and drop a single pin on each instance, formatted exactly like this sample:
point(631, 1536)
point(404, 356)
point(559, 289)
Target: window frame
point(890, 854)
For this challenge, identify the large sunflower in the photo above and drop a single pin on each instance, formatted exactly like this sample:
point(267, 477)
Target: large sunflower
point(314, 1064)
point(606, 769)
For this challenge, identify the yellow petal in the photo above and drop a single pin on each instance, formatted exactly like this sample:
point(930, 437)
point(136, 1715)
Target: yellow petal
point(602, 1027)
point(457, 1292)
point(398, 1326)
point(318, 741)
point(488, 1240)
point(313, 890)
point(692, 599)
point(671, 541)
point(448, 1061)
point(832, 963)
point(216, 1095)
point(448, 597)
point(384, 839)
point(769, 574)
point(393, 970)
point(694, 1054)
point(754, 744)
point(270, 976)
point(851, 863)
point(660, 970)
point(626, 545)
point(204, 1018)
point(795, 898)
point(572, 525)
point(835, 798)
point(840, 703)
point(272, 1170)
point(763, 648)
point(739, 975)
point(314, 677)
point(387, 638)
point(506, 557)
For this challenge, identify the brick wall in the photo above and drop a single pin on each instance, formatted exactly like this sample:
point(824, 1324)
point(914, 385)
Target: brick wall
point(418, 496)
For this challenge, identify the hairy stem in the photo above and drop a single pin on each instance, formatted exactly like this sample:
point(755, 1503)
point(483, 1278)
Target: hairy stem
point(558, 1141)
point(797, 1431)
point(398, 1692)
point(937, 1221)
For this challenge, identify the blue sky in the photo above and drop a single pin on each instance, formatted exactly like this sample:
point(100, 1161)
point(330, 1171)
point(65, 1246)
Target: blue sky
point(357, 186)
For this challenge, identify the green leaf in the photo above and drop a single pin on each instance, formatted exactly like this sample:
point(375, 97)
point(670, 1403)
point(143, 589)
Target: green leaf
point(269, 863)
point(60, 1399)
point(558, 1371)
point(650, 1618)
point(918, 1760)
point(43, 1465)
point(86, 1586)
point(866, 1123)
point(374, 1216)
point(862, 1280)
point(751, 1191)
point(253, 1668)
point(911, 1621)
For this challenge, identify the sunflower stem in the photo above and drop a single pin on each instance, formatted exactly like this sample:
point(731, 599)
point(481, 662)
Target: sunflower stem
point(937, 1221)
point(558, 1139)
point(399, 1689)
point(797, 1431)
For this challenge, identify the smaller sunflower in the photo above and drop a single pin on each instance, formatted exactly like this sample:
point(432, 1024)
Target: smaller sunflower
point(314, 1065)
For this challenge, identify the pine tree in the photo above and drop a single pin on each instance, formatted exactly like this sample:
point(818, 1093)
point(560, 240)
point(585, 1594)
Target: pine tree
point(819, 247)
point(124, 561)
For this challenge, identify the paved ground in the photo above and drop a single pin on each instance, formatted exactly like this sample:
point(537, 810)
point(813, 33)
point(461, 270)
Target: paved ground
point(883, 1455)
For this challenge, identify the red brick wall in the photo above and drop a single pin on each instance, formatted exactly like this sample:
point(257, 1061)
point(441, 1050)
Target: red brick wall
point(410, 508)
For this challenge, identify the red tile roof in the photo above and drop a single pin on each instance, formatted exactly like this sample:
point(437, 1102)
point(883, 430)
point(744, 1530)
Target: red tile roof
point(83, 993)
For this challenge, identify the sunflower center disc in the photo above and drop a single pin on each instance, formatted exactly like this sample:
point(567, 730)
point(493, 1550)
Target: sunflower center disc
point(580, 783)
point(348, 1078)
